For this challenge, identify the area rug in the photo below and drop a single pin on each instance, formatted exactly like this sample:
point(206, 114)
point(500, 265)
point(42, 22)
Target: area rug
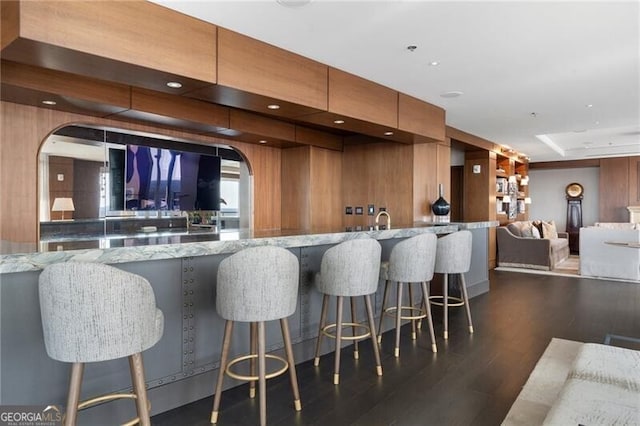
point(569, 267)
point(544, 384)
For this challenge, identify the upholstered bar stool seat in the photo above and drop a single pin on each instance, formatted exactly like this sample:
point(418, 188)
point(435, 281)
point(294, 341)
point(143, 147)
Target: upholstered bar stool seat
point(411, 261)
point(453, 256)
point(349, 269)
point(256, 285)
point(93, 312)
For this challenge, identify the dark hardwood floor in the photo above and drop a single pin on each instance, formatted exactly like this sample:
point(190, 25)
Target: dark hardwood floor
point(472, 380)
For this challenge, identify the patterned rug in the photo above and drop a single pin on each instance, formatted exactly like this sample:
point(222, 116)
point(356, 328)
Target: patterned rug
point(567, 268)
point(571, 265)
point(544, 384)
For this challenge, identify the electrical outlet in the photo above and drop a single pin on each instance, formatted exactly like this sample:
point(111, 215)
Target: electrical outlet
point(371, 210)
point(348, 210)
point(359, 210)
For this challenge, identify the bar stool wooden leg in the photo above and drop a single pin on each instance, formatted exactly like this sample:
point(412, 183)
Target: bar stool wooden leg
point(445, 305)
point(336, 373)
point(427, 307)
point(354, 320)
point(384, 305)
point(396, 350)
point(376, 350)
point(226, 343)
point(140, 389)
point(253, 349)
point(77, 369)
point(262, 368)
point(466, 302)
point(323, 320)
point(284, 325)
point(413, 322)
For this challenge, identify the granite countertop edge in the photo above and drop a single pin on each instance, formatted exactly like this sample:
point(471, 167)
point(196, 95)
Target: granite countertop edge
point(12, 263)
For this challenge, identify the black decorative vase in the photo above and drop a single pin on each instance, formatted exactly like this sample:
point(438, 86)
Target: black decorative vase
point(441, 207)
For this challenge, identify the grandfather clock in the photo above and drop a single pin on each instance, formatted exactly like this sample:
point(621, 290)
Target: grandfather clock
point(574, 192)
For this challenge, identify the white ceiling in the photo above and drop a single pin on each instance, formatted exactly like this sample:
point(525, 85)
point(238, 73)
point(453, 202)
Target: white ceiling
point(510, 59)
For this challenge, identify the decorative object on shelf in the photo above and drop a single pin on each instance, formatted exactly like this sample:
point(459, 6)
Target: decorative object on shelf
point(512, 195)
point(441, 207)
point(574, 193)
point(63, 204)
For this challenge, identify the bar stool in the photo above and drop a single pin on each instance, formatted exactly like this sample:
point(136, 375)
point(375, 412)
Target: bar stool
point(348, 269)
point(453, 256)
point(256, 285)
point(411, 261)
point(93, 312)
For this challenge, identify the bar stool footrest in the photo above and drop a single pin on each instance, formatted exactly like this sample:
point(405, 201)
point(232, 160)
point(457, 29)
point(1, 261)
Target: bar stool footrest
point(270, 375)
point(391, 312)
point(439, 301)
point(111, 397)
point(326, 332)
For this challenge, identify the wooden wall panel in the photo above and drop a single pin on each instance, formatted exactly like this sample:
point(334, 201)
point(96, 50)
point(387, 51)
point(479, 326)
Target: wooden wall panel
point(24, 128)
point(420, 117)
point(132, 32)
point(480, 188)
point(86, 188)
point(425, 180)
point(257, 67)
point(353, 96)
point(173, 110)
point(296, 188)
point(10, 17)
point(311, 189)
point(326, 189)
point(62, 166)
point(614, 190)
point(634, 181)
point(379, 174)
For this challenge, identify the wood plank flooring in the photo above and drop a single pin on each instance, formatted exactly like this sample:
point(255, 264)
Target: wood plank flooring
point(472, 380)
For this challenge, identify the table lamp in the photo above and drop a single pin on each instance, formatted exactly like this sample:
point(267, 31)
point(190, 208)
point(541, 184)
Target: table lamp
point(63, 205)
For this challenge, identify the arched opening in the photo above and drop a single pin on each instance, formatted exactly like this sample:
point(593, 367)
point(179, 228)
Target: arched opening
point(106, 182)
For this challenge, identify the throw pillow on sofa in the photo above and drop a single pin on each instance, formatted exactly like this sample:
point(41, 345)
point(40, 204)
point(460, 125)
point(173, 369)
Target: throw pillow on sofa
point(549, 230)
point(535, 232)
point(527, 230)
point(514, 229)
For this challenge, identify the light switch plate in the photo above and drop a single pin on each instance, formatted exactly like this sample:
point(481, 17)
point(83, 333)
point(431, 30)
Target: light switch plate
point(60, 177)
point(476, 168)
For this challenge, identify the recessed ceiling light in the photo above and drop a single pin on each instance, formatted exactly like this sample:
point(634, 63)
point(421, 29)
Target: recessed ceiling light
point(596, 123)
point(589, 105)
point(534, 114)
point(174, 84)
point(451, 94)
point(262, 141)
point(412, 47)
point(434, 63)
point(388, 133)
point(273, 106)
point(338, 121)
point(48, 102)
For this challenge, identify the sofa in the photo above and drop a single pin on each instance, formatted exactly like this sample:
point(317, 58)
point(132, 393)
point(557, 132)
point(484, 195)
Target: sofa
point(602, 259)
point(516, 250)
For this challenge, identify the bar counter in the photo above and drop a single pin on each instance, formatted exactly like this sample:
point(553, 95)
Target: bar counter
point(181, 267)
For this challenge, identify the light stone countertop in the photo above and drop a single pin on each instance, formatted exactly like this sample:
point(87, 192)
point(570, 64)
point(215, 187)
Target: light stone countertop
point(170, 245)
